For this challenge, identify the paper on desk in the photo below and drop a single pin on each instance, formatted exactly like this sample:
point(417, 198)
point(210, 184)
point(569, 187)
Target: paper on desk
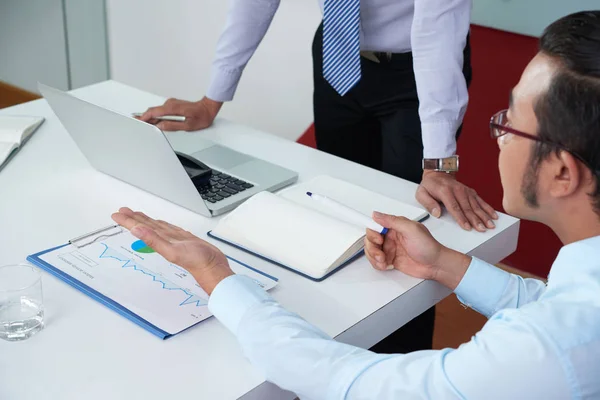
point(130, 273)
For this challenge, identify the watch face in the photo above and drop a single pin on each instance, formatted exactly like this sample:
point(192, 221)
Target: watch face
point(449, 164)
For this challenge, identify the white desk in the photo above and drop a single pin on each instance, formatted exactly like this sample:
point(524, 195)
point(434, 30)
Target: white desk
point(49, 194)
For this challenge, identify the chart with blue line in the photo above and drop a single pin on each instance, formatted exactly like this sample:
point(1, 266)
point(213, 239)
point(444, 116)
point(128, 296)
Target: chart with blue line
point(134, 277)
point(158, 278)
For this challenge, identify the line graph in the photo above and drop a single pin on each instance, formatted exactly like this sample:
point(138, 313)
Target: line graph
point(192, 298)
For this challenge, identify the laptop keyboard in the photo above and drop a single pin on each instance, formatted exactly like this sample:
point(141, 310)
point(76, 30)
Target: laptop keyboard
point(223, 186)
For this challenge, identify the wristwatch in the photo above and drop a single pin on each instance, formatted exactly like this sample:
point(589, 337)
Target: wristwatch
point(448, 164)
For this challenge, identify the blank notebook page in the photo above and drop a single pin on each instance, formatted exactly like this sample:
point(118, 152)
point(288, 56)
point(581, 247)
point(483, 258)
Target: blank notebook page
point(360, 199)
point(283, 231)
point(12, 128)
point(5, 150)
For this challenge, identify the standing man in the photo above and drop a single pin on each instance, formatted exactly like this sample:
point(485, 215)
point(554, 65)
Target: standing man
point(390, 92)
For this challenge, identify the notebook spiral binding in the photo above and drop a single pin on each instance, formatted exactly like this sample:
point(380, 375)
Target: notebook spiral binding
point(89, 238)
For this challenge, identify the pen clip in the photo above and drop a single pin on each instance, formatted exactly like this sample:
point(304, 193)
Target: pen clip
point(89, 238)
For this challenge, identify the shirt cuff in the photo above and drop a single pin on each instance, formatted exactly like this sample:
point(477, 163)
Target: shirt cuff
point(233, 297)
point(482, 286)
point(223, 84)
point(439, 139)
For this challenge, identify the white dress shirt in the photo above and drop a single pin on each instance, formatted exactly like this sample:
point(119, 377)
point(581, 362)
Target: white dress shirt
point(434, 30)
point(540, 342)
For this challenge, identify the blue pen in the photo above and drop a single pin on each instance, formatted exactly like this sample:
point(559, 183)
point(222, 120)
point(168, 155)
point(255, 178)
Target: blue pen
point(351, 214)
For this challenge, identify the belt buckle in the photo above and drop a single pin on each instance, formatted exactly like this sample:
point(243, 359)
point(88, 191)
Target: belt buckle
point(369, 55)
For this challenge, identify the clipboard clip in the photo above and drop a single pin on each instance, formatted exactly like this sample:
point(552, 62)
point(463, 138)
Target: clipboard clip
point(89, 238)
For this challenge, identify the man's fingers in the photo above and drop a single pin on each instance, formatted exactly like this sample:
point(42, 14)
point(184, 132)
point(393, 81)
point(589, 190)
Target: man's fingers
point(487, 208)
point(462, 202)
point(374, 263)
point(124, 219)
point(144, 219)
point(427, 201)
point(127, 211)
point(453, 207)
point(399, 224)
point(462, 196)
point(375, 257)
point(131, 220)
point(373, 245)
point(146, 116)
point(141, 218)
point(172, 126)
point(374, 251)
point(170, 107)
point(374, 237)
point(152, 113)
point(164, 229)
point(484, 216)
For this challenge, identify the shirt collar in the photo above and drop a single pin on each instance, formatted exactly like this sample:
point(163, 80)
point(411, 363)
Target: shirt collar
point(575, 260)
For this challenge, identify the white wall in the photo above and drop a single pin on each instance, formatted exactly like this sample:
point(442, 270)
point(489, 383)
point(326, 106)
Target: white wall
point(166, 47)
point(86, 41)
point(32, 43)
point(61, 43)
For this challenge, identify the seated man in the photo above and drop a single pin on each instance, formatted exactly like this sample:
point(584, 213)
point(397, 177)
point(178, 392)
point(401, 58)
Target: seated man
point(541, 341)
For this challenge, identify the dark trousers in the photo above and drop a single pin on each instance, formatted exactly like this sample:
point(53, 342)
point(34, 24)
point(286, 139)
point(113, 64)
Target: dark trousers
point(377, 124)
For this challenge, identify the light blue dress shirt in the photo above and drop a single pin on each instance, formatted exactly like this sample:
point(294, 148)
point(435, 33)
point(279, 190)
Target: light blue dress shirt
point(540, 342)
point(434, 30)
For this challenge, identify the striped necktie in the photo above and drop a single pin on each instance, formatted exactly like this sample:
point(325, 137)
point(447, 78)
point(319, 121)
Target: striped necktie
point(341, 44)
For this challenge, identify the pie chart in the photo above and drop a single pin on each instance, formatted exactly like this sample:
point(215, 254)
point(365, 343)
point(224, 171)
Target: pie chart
point(141, 247)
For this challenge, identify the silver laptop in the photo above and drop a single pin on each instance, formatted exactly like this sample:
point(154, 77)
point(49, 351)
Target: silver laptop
point(139, 154)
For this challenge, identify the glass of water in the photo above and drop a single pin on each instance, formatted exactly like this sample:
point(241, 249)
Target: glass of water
point(21, 306)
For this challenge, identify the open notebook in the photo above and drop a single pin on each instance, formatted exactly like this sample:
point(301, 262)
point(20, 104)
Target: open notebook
point(303, 235)
point(14, 132)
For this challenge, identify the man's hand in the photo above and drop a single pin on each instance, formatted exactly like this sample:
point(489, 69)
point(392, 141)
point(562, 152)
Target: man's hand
point(409, 247)
point(198, 115)
point(462, 202)
point(204, 261)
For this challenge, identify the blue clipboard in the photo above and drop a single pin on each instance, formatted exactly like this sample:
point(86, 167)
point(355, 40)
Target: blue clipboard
point(94, 294)
point(36, 260)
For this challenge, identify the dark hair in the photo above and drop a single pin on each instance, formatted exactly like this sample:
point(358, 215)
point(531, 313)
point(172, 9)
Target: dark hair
point(569, 112)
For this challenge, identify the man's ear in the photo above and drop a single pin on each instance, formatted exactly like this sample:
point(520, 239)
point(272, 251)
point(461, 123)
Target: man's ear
point(566, 173)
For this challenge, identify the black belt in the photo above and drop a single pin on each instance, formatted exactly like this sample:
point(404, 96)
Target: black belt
point(382, 56)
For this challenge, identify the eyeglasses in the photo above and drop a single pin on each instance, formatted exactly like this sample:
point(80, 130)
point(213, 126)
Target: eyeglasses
point(500, 126)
